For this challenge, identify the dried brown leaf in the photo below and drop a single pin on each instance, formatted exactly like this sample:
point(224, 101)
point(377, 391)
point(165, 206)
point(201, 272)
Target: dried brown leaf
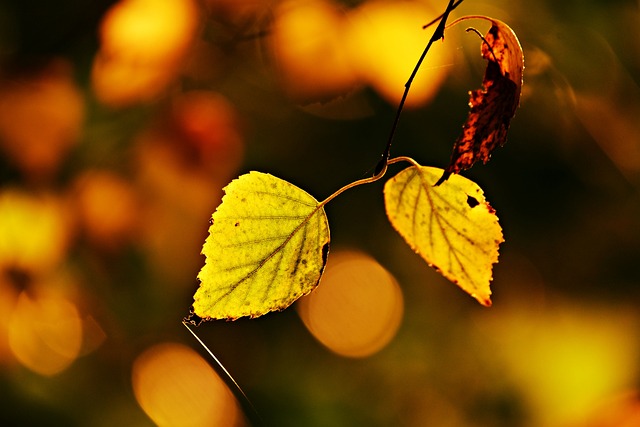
point(494, 105)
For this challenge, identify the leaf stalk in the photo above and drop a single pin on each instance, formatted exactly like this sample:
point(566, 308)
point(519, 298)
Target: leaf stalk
point(374, 178)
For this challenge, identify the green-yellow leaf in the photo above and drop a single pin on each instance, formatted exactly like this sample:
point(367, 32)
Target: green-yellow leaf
point(267, 247)
point(452, 227)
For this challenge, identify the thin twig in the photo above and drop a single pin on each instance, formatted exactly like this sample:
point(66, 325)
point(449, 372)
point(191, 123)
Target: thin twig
point(246, 398)
point(403, 159)
point(425, 26)
point(437, 35)
point(379, 174)
point(381, 167)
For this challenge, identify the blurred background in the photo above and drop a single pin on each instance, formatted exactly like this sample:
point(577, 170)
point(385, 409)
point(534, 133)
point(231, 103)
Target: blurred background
point(121, 122)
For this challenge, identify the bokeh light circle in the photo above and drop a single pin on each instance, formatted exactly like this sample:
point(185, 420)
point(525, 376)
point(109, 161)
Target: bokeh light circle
point(176, 387)
point(45, 333)
point(357, 308)
point(385, 39)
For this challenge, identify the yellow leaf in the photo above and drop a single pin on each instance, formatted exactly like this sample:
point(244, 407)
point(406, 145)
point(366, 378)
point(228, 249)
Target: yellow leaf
point(451, 226)
point(267, 246)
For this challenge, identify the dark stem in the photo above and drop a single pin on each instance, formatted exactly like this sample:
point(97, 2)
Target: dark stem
point(437, 35)
point(425, 26)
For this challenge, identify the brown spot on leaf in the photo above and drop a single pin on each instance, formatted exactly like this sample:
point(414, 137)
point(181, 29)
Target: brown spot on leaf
point(493, 106)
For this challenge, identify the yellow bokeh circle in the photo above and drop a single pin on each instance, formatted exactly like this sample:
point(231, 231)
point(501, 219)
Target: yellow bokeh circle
point(384, 41)
point(357, 307)
point(45, 333)
point(143, 45)
point(176, 387)
point(309, 49)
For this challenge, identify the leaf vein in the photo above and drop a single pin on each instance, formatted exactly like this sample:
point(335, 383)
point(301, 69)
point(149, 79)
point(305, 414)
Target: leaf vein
point(452, 250)
point(259, 217)
point(251, 242)
point(267, 290)
point(261, 263)
point(282, 196)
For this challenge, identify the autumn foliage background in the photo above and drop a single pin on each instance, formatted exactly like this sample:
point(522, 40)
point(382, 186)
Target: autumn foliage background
point(120, 122)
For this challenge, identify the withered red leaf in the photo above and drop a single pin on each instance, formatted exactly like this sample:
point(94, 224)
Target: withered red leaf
point(493, 106)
